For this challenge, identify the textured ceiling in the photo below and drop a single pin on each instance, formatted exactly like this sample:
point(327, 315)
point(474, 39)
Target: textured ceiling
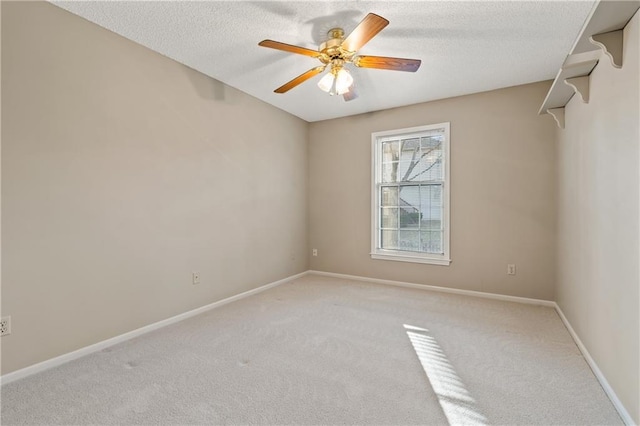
point(465, 47)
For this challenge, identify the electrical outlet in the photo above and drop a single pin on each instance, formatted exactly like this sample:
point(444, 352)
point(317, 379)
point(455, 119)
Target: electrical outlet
point(314, 252)
point(5, 326)
point(195, 277)
point(511, 269)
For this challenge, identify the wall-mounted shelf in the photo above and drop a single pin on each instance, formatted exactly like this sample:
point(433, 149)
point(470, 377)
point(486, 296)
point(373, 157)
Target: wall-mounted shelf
point(575, 66)
point(611, 45)
point(606, 16)
point(602, 32)
point(558, 115)
point(580, 85)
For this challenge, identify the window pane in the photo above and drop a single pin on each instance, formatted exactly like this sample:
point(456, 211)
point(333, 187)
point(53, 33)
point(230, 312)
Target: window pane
point(389, 217)
point(409, 218)
point(432, 158)
point(409, 204)
point(409, 158)
point(389, 196)
point(410, 149)
point(390, 172)
point(410, 195)
point(430, 142)
point(409, 240)
point(431, 206)
point(389, 240)
point(431, 241)
point(406, 171)
point(430, 170)
point(390, 151)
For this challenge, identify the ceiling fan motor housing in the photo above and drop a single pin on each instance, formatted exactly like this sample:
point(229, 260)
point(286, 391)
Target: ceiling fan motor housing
point(332, 51)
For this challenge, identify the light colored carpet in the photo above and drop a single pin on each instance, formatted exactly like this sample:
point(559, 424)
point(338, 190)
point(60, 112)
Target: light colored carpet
point(328, 351)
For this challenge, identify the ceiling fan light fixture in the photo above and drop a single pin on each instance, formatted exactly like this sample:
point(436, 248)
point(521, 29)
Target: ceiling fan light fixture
point(344, 80)
point(326, 83)
point(338, 81)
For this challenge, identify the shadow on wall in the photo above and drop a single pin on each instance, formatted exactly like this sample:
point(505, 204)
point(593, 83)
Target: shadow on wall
point(209, 88)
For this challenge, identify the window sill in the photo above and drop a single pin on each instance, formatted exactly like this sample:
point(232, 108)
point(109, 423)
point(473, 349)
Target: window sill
point(409, 257)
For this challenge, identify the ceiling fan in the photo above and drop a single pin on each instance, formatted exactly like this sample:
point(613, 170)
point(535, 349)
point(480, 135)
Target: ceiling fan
point(339, 50)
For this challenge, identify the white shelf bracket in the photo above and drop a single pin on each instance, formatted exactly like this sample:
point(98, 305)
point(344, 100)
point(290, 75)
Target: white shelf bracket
point(611, 45)
point(581, 86)
point(558, 115)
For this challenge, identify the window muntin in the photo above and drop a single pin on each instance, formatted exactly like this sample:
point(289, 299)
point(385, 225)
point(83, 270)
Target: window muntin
point(410, 194)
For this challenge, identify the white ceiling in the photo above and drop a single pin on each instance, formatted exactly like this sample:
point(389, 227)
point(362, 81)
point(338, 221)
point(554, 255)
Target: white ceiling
point(465, 46)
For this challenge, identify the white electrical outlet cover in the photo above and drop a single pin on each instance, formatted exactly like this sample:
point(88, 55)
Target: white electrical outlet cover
point(5, 326)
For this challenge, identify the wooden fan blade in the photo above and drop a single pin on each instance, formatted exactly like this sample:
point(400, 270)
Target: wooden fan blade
point(371, 25)
point(300, 79)
point(289, 48)
point(385, 63)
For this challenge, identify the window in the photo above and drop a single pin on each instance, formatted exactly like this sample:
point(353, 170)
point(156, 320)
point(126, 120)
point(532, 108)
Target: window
point(410, 195)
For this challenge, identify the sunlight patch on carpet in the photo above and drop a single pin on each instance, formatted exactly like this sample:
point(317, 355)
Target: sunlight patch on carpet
point(456, 401)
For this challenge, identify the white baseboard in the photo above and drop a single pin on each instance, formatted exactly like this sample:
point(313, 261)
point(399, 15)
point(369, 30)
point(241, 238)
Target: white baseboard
point(626, 417)
point(473, 293)
point(62, 359)
point(624, 414)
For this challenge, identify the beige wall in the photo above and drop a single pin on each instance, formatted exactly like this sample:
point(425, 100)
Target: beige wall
point(122, 172)
point(598, 277)
point(503, 193)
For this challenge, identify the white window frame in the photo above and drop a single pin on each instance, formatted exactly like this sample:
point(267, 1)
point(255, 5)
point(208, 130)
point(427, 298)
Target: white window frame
point(399, 255)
